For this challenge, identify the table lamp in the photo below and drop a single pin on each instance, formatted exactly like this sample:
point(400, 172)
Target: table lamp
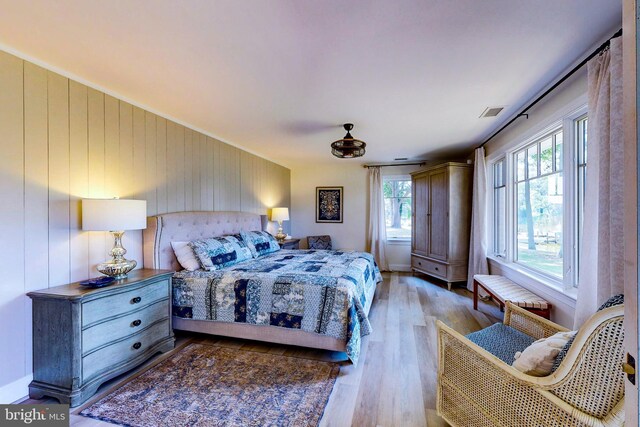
point(115, 215)
point(280, 214)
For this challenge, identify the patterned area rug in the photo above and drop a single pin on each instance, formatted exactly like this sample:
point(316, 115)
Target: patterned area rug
point(205, 385)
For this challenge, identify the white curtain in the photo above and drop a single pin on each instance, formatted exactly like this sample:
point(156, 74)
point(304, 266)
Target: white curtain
point(478, 239)
point(601, 264)
point(377, 235)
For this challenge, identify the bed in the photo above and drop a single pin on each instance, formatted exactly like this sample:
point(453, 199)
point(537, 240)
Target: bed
point(309, 298)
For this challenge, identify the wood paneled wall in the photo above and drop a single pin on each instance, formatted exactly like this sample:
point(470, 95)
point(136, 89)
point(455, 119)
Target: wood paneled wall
point(60, 142)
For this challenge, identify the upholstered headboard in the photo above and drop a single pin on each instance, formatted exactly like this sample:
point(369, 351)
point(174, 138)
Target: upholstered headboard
point(187, 226)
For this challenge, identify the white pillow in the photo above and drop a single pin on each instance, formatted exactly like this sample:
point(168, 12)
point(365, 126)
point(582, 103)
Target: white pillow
point(538, 358)
point(186, 256)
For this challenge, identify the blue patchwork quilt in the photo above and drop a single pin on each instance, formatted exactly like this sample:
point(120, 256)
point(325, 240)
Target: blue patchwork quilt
point(318, 291)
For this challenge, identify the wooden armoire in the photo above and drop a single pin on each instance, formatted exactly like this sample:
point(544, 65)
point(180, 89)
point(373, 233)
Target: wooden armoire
point(441, 221)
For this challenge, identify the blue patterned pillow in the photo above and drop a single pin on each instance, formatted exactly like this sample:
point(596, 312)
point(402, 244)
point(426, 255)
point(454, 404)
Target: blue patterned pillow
point(611, 302)
point(319, 242)
point(260, 243)
point(219, 252)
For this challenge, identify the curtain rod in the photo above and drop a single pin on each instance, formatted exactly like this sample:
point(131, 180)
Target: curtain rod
point(602, 47)
point(395, 164)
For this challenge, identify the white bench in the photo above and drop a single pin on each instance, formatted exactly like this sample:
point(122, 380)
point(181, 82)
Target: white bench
point(502, 289)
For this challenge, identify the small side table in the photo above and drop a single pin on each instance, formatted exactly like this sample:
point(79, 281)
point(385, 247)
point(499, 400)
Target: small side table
point(290, 244)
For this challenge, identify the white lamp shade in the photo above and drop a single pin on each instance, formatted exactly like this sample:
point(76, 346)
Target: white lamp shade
point(113, 214)
point(280, 214)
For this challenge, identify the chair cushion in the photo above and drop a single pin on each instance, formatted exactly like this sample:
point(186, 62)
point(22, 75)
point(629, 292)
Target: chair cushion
point(506, 290)
point(501, 341)
point(611, 302)
point(319, 242)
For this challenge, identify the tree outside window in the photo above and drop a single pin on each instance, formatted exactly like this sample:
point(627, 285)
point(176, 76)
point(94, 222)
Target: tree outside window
point(538, 202)
point(540, 205)
point(397, 207)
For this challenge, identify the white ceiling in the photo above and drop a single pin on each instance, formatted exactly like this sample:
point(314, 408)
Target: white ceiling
point(279, 77)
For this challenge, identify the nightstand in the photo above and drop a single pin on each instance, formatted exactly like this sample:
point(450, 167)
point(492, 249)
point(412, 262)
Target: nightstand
point(83, 337)
point(290, 244)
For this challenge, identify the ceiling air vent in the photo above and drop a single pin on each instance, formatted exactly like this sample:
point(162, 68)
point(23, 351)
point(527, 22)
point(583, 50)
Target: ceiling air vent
point(491, 112)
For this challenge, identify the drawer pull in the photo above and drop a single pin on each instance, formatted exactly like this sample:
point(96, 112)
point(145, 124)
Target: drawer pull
point(419, 263)
point(436, 268)
point(136, 322)
point(137, 345)
point(136, 300)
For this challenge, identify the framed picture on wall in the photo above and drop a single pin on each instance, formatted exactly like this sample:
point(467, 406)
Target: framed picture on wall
point(328, 204)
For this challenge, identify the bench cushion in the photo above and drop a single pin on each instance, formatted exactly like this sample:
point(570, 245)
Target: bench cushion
point(506, 290)
point(501, 341)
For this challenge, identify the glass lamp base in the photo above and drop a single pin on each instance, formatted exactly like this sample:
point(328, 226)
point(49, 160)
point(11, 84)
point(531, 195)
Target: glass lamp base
point(118, 266)
point(280, 236)
point(117, 269)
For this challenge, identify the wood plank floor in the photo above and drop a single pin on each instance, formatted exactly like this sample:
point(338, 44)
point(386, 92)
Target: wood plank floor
point(394, 383)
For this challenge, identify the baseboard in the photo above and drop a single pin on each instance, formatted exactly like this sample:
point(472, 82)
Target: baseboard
point(400, 267)
point(15, 391)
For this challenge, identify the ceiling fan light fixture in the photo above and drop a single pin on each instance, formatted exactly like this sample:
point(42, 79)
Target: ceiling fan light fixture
point(348, 147)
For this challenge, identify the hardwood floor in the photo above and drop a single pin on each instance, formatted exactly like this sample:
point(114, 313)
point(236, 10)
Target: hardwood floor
point(394, 383)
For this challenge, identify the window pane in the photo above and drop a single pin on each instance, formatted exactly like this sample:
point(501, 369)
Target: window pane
point(520, 166)
point(498, 174)
point(539, 224)
point(532, 161)
point(582, 178)
point(559, 157)
point(500, 224)
point(397, 208)
point(582, 141)
point(581, 145)
point(499, 212)
point(546, 156)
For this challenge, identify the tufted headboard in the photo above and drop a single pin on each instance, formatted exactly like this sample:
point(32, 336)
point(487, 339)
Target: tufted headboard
point(187, 226)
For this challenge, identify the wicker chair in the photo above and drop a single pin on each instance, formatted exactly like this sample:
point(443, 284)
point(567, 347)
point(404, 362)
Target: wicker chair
point(475, 388)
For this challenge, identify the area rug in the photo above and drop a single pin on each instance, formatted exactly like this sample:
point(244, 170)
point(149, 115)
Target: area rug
point(207, 385)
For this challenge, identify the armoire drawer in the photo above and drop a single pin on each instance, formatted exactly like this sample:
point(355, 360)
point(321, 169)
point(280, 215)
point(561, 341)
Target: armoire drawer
point(428, 266)
point(103, 308)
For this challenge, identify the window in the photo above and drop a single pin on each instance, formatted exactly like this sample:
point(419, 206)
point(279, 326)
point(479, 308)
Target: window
point(499, 209)
point(397, 207)
point(539, 205)
point(581, 148)
point(537, 199)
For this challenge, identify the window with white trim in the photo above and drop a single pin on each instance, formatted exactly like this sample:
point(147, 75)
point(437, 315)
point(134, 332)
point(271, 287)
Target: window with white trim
point(537, 201)
point(581, 147)
point(539, 205)
point(500, 208)
point(397, 206)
